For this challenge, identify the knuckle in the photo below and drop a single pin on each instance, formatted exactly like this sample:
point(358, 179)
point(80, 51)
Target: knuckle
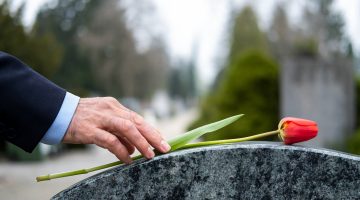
point(112, 141)
point(127, 125)
point(111, 99)
point(148, 130)
point(108, 102)
point(114, 121)
point(137, 118)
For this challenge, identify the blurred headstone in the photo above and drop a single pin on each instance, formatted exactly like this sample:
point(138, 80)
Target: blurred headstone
point(322, 91)
point(238, 171)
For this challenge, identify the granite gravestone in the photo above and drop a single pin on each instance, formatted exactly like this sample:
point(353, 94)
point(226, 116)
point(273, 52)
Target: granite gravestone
point(237, 171)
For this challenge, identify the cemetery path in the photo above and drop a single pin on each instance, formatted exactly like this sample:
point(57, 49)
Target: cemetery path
point(17, 179)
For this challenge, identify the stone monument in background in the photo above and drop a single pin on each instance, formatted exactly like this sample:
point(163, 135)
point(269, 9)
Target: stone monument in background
point(322, 91)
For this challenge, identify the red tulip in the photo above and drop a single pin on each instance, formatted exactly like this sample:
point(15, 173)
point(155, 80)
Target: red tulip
point(293, 130)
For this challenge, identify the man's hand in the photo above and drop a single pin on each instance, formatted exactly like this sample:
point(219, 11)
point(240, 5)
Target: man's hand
point(108, 124)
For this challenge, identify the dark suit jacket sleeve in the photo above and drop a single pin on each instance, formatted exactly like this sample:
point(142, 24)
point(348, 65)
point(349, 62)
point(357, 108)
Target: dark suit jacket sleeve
point(29, 103)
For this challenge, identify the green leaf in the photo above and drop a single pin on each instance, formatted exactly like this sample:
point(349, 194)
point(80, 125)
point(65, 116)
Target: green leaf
point(185, 138)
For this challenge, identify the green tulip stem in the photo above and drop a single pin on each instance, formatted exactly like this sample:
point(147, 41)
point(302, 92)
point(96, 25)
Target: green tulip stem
point(81, 171)
point(187, 146)
point(230, 141)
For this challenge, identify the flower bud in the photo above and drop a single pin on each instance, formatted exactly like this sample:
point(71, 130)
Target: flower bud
point(294, 130)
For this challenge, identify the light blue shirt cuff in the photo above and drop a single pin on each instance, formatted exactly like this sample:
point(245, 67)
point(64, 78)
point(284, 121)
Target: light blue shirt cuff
point(57, 130)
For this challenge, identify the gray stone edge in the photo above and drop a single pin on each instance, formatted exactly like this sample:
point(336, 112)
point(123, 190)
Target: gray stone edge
point(242, 145)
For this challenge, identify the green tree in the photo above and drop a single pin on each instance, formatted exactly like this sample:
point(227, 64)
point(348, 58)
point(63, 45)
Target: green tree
point(246, 34)
point(248, 84)
point(181, 83)
point(326, 27)
point(153, 70)
point(100, 51)
point(67, 20)
point(280, 33)
point(41, 52)
point(353, 142)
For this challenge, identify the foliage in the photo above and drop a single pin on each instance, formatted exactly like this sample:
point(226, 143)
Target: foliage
point(333, 21)
point(100, 52)
point(246, 33)
point(249, 86)
point(305, 47)
point(182, 83)
point(357, 102)
point(321, 33)
point(325, 28)
point(41, 52)
point(353, 142)
point(64, 22)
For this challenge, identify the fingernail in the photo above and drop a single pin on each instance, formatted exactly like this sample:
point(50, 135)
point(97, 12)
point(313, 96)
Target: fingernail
point(165, 146)
point(150, 153)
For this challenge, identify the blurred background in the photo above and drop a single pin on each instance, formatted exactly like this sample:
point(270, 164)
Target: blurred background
point(182, 64)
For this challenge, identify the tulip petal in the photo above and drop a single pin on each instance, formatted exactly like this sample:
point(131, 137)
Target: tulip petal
point(294, 130)
point(298, 121)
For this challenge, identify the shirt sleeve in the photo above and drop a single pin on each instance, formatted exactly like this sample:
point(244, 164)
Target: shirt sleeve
point(58, 128)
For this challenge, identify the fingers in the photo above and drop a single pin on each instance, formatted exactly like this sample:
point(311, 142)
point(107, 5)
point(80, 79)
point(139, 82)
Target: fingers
point(127, 129)
point(126, 123)
point(127, 144)
point(146, 130)
point(151, 134)
point(112, 143)
point(105, 122)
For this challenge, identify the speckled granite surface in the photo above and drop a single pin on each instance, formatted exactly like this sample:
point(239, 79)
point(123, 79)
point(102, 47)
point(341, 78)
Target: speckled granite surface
point(238, 171)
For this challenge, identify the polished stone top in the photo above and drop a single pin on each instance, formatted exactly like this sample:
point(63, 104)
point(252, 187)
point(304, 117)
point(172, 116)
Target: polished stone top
point(238, 171)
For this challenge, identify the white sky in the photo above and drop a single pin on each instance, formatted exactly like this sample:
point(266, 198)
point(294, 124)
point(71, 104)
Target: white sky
point(201, 24)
